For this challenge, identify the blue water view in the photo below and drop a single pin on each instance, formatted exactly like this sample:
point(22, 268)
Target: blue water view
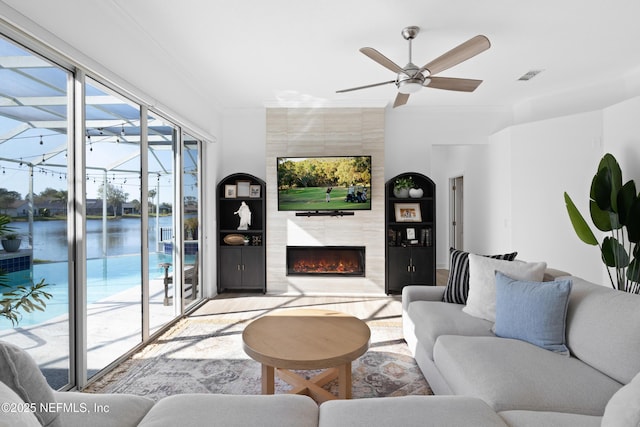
point(116, 270)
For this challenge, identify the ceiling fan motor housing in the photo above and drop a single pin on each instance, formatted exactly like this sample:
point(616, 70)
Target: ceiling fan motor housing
point(410, 80)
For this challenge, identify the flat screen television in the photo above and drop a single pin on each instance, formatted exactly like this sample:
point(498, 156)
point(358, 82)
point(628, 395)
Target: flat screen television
point(331, 183)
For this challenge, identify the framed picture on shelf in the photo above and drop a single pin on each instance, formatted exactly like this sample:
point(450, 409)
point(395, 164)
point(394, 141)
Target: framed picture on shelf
point(243, 188)
point(254, 191)
point(229, 191)
point(408, 212)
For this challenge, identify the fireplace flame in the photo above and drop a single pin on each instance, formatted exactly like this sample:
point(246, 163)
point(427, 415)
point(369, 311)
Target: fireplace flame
point(326, 260)
point(325, 266)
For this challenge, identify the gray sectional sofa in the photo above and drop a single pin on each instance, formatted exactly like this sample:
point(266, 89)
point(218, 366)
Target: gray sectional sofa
point(526, 385)
point(480, 379)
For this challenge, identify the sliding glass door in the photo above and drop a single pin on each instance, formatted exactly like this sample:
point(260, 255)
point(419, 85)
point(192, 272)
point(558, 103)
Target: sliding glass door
point(164, 301)
point(192, 230)
point(104, 196)
point(34, 180)
point(113, 226)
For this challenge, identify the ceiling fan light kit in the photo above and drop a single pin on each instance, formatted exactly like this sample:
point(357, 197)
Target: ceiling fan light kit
point(411, 78)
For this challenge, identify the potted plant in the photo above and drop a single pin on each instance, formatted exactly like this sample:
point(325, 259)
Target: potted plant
point(10, 241)
point(614, 208)
point(401, 187)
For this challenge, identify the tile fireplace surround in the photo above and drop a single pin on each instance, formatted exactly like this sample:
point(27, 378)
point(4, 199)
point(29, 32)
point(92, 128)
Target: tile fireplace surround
point(325, 132)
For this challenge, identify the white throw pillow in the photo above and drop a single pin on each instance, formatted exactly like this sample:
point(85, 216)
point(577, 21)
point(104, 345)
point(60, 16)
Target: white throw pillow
point(481, 301)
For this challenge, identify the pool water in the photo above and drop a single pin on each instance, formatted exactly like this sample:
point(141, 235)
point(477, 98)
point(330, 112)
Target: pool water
point(105, 277)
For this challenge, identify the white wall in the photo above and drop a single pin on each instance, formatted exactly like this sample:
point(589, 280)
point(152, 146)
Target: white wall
point(244, 147)
point(548, 158)
point(411, 132)
point(515, 176)
point(520, 176)
point(621, 137)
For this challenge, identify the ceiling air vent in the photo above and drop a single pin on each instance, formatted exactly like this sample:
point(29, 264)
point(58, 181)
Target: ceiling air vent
point(530, 74)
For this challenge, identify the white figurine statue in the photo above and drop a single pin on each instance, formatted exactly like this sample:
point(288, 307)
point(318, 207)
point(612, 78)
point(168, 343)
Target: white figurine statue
point(245, 216)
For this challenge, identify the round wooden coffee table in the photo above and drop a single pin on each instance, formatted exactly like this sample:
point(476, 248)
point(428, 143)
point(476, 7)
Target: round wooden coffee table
point(306, 339)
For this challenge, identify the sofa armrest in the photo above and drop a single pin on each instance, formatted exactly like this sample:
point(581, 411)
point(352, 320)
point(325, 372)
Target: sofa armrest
point(101, 410)
point(551, 274)
point(421, 293)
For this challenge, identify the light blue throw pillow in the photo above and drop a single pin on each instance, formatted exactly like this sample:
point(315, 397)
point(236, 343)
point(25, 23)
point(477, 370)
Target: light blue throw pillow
point(535, 312)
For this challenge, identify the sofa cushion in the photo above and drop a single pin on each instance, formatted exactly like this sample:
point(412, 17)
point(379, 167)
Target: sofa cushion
point(13, 412)
point(624, 407)
point(432, 319)
point(457, 288)
point(102, 409)
point(481, 301)
point(196, 410)
point(20, 372)
point(535, 312)
point(409, 411)
point(512, 374)
point(600, 331)
point(548, 419)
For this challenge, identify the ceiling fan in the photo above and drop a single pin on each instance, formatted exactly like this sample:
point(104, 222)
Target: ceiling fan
point(411, 79)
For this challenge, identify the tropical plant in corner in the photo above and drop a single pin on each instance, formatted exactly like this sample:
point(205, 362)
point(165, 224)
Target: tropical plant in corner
point(614, 208)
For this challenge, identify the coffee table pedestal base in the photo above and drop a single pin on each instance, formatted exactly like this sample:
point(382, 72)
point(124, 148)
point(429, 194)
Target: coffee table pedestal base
point(311, 387)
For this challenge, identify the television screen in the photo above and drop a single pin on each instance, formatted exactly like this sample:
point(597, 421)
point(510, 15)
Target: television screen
point(324, 183)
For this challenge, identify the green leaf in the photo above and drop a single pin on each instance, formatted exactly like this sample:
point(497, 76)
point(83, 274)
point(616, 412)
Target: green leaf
point(601, 189)
point(633, 222)
point(633, 271)
point(626, 197)
point(615, 175)
point(579, 224)
point(613, 253)
point(601, 219)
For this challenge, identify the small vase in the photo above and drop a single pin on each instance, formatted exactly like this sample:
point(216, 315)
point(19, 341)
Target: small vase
point(401, 193)
point(416, 193)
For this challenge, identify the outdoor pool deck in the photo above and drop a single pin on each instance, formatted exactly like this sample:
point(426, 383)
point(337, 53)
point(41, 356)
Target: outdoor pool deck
point(113, 328)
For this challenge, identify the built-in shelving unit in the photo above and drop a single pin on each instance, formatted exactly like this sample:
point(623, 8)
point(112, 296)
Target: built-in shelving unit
point(241, 262)
point(410, 231)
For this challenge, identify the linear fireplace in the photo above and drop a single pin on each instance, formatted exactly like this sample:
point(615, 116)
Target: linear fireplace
point(325, 260)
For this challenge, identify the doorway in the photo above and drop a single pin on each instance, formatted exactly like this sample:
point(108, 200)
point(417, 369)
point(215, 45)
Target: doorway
point(456, 212)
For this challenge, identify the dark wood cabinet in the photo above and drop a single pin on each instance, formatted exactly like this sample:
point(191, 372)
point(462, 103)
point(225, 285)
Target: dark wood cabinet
point(410, 241)
point(241, 253)
point(241, 268)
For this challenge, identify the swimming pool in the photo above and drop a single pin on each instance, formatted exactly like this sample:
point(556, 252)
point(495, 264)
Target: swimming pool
point(105, 277)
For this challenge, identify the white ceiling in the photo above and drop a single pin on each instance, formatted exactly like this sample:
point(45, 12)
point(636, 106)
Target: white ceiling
point(251, 53)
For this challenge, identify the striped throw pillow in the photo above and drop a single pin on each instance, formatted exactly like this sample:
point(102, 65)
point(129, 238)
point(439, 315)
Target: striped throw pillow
point(457, 288)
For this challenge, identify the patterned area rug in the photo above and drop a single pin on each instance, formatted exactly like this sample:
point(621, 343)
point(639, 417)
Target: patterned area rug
point(206, 356)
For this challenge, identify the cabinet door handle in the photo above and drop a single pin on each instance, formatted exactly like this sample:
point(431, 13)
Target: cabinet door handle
point(409, 268)
point(242, 267)
point(414, 268)
point(238, 267)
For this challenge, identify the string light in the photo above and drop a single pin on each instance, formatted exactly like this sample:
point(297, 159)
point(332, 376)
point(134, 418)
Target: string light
point(41, 140)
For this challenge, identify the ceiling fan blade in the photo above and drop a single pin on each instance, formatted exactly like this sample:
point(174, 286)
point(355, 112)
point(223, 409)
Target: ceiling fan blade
point(458, 54)
point(381, 59)
point(451, 83)
point(365, 87)
point(401, 99)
